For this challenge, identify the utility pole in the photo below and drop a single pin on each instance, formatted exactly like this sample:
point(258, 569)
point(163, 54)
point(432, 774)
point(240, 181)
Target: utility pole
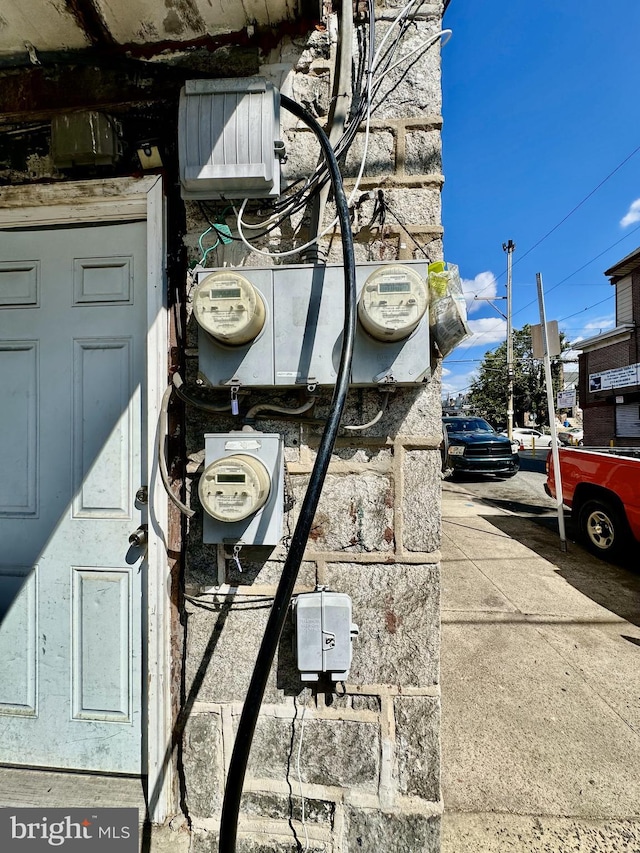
point(509, 248)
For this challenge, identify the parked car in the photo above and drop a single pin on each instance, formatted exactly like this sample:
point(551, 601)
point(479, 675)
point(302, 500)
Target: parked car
point(571, 435)
point(471, 445)
point(515, 443)
point(526, 437)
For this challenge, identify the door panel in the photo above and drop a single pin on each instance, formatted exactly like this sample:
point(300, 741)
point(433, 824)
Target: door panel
point(19, 371)
point(72, 369)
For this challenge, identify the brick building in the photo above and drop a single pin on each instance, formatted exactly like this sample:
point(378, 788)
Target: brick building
point(609, 366)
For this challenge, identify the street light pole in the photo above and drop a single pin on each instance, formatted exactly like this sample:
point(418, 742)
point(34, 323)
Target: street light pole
point(509, 248)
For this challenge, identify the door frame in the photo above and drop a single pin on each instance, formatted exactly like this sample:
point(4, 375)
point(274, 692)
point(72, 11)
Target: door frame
point(118, 200)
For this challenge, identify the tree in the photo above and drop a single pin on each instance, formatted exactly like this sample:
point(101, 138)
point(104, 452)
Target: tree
point(488, 392)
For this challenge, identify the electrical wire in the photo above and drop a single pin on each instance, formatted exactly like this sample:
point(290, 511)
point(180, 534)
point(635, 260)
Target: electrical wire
point(299, 775)
point(402, 14)
point(373, 421)
point(420, 49)
point(186, 397)
point(405, 227)
point(316, 180)
point(378, 67)
point(604, 251)
point(280, 609)
point(203, 252)
point(575, 272)
point(163, 431)
point(588, 308)
point(564, 219)
point(283, 410)
point(336, 119)
point(578, 206)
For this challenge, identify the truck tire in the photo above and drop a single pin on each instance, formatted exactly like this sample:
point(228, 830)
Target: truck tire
point(603, 529)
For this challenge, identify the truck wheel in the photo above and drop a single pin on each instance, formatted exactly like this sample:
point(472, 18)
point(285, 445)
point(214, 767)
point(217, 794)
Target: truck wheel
point(602, 528)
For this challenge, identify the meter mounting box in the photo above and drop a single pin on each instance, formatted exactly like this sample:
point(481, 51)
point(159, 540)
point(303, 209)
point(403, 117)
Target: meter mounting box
point(228, 139)
point(323, 634)
point(243, 470)
point(301, 339)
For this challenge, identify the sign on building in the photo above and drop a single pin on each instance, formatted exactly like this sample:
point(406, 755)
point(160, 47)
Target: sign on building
point(618, 377)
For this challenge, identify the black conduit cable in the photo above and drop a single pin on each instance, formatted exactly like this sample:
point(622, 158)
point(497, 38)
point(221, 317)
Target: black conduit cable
point(278, 615)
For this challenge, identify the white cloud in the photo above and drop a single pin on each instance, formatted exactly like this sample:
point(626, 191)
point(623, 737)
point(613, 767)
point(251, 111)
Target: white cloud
point(593, 327)
point(632, 215)
point(457, 383)
point(600, 324)
point(484, 284)
point(487, 331)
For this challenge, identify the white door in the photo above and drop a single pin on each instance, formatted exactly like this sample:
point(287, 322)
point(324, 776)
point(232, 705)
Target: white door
point(72, 373)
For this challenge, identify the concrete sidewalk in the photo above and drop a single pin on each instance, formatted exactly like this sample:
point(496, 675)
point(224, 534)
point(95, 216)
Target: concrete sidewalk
point(540, 689)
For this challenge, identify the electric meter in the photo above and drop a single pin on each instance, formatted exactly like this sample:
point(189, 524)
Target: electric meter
point(234, 487)
point(229, 307)
point(392, 303)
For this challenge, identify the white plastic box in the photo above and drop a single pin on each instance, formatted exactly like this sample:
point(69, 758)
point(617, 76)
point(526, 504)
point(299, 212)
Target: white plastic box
point(323, 634)
point(228, 139)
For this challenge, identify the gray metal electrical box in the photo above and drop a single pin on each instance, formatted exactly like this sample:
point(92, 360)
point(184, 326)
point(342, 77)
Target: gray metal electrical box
point(301, 340)
point(85, 138)
point(229, 139)
point(323, 634)
point(242, 488)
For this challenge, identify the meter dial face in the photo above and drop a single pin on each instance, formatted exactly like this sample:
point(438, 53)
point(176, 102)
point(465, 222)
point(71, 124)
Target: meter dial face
point(392, 303)
point(234, 487)
point(229, 307)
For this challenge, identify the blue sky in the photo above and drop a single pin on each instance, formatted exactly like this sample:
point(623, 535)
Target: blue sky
point(540, 106)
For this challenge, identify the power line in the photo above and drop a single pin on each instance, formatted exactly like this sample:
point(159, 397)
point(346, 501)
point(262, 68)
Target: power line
point(599, 255)
point(579, 205)
point(595, 258)
point(604, 251)
point(588, 308)
point(564, 219)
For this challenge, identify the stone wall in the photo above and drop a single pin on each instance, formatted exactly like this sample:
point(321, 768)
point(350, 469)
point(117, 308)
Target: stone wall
point(362, 758)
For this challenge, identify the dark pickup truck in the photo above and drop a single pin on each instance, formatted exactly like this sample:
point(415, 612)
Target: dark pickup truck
point(472, 446)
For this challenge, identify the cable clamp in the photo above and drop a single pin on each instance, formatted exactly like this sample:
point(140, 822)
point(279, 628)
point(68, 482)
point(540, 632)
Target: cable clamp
point(235, 390)
point(236, 555)
point(385, 379)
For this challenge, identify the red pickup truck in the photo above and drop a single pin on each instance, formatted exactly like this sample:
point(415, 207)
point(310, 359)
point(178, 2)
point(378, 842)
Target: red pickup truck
point(601, 486)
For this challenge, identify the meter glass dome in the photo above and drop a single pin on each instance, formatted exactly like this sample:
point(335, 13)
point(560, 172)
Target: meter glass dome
point(392, 303)
point(229, 307)
point(234, 487)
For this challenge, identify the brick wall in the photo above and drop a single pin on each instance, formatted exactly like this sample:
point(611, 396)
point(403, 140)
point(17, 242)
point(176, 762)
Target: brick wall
point(600, 406)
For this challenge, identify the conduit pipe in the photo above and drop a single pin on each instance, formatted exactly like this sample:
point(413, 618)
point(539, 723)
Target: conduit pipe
point(278, 614)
